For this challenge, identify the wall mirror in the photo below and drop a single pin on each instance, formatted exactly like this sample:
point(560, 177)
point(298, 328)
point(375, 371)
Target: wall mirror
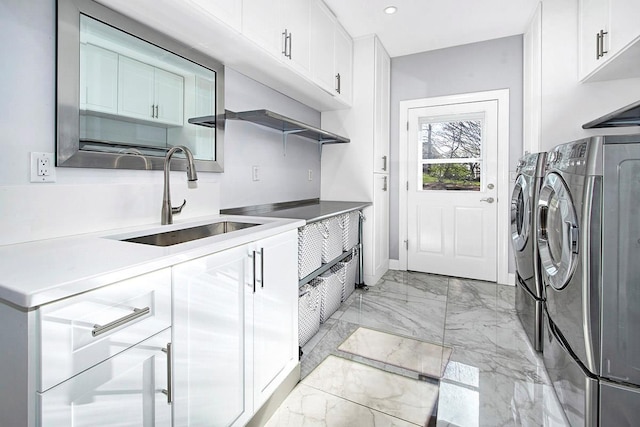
point(126, 94)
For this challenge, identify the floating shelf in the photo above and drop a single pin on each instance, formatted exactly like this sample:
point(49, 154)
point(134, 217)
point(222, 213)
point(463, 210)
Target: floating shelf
point(287, 126)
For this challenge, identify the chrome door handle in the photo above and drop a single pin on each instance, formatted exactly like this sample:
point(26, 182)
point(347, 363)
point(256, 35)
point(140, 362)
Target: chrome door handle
point(168, 391)
point(101, 329)
point(488, 200)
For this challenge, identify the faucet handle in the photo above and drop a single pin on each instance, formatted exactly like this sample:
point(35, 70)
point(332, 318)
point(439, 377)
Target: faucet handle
point(179, 208)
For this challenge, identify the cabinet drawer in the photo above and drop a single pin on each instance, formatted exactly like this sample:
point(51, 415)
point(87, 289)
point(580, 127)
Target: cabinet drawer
point(79, 332)
point(127, 390)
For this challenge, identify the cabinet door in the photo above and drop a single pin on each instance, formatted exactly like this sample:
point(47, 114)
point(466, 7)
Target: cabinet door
point(228, 12)
point(381, 224)
point(594, 16)
point(275, 317)
point(212, 296)
point(169, 97)
point(381, 112)
point(296, 21)
point(343, 64)
point(624, 19)
point(322, 24)
point(125, 390)
point(262, 23)
point(98, 79)
point(135, 89)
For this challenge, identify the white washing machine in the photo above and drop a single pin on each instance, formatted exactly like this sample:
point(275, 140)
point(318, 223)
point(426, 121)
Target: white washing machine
point(588, 233)
point(529, 289)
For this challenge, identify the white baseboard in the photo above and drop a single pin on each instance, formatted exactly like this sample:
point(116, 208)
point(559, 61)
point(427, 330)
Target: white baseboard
point(512, 279)
point(394, 264)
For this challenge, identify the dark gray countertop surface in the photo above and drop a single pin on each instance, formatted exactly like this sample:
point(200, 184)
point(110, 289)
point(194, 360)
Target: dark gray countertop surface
point(308, 210)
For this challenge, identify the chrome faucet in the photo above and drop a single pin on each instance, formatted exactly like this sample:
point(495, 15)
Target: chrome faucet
point(167, 209)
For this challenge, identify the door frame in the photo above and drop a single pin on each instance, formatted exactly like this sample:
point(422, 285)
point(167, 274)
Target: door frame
point(503, 229)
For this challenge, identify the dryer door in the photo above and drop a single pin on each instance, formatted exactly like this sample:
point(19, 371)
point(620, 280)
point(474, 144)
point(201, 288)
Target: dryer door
point(557, 232)
point(520, 213)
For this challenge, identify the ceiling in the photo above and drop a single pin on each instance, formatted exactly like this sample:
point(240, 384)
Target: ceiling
point(421, 25)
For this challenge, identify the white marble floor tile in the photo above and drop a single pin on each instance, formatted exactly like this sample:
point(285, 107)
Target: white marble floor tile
point(405, 398)
point(423, 319)
point(422, 357)
point(309, 407)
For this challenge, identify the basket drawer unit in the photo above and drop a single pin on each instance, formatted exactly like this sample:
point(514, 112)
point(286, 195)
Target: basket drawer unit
point(350, 223)
point(81, 331)
point(331, 238)
point(330, 284)
point(308, 313)
point(309, 249)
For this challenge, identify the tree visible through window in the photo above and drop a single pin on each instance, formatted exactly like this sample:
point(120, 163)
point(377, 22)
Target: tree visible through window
point(451, 154)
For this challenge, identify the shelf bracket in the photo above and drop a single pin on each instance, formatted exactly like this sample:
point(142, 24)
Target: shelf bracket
point(285, 134)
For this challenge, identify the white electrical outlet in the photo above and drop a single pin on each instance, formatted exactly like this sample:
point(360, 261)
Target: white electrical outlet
point(42, 167)
point(255, 173)
point(310, 175)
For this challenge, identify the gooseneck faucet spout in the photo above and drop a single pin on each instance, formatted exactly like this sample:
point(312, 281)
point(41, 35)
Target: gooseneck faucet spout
point(167, 209)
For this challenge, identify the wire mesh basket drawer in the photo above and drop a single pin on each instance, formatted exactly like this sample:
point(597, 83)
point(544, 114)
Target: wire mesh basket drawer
point(330, 293)
point(309, 249)
point(308, 313)
point(350, 223)
point(331, 238)
point(350, 271)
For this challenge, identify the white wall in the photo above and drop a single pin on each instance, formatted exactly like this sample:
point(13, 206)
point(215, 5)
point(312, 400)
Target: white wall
point(566, 103)
point(87, 200)
point(489, 65)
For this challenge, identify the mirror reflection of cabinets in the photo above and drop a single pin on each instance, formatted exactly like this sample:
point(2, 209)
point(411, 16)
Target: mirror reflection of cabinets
point(127, 94)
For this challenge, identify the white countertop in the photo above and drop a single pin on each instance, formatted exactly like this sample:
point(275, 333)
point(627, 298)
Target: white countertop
point(37, 273)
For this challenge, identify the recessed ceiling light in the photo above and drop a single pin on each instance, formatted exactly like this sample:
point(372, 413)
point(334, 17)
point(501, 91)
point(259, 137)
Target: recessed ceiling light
point(390, 10)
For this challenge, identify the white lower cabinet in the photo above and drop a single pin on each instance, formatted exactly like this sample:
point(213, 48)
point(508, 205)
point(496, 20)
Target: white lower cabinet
point(234, 330)
point(212, 296)
point(125, 390)
point(275, 314)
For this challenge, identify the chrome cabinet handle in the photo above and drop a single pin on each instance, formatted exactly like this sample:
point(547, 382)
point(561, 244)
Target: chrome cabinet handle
point(153, 109)
point(101, 329)
point(600, 44)
point(262, 267)
point(169, 390)
point(338, 89)
point(284, 42)
point(253, 258)
point(384, 163)
point(157, 112)
point(290, 48)
point(488, 200)
point(384, 185)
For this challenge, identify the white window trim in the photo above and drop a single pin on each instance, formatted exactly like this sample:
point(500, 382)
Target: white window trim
point(502, 96)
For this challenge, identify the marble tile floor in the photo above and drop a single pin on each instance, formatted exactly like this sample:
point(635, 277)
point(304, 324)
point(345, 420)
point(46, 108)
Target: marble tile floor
point(493, 378)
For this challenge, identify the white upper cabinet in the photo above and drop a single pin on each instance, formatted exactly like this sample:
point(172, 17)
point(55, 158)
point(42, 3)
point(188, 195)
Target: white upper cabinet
point(98, 79)
point(609, 39)
point(322, 24)
point(149, 93)
point(343, 64)
point(229, 12)
point(280, 27)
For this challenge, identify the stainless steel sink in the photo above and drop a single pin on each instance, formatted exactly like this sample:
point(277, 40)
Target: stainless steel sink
point(169, 238)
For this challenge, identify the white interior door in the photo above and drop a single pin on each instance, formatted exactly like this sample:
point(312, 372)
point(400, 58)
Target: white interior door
point(452, 189)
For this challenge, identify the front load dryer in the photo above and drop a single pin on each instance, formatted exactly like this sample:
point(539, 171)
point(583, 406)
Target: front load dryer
point(529, 290)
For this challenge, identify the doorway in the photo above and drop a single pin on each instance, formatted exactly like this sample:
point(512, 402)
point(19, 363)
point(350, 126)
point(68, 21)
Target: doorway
point(454, 185)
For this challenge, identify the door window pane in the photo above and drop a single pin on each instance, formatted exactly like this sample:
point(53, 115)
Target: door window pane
point(451, 140)
point(451, 157)
point(451, 176)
